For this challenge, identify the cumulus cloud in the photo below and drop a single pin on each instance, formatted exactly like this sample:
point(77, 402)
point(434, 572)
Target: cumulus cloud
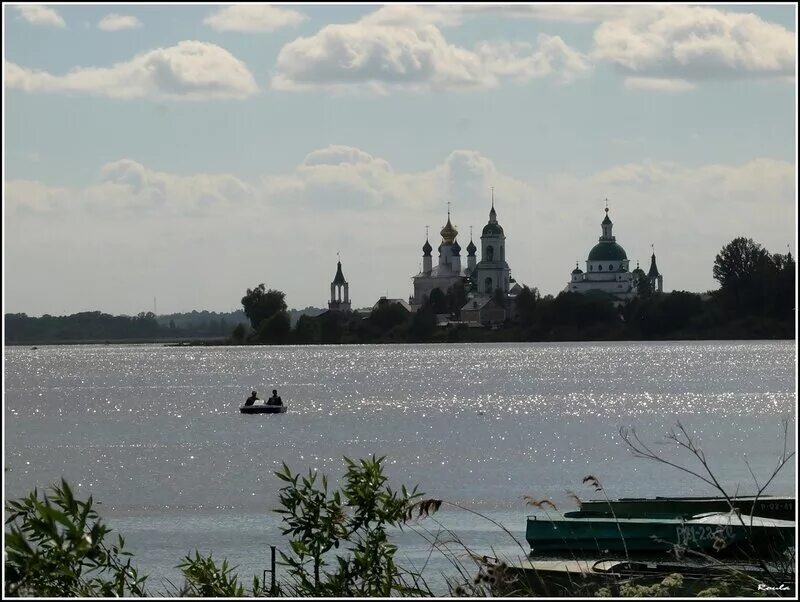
point(667, 48)
point(389, 49)
point(253, 18)
point(658, 84)
point(190, 70)
point(453, 15)
point(37, 14)
point(115, 22)
point(126, 188)
point(344, 198)
point(692, 43)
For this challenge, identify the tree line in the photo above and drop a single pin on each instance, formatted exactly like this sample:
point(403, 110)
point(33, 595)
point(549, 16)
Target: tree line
point(755, 299)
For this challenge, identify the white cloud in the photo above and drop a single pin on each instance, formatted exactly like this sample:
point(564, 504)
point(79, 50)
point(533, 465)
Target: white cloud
point(658, 84)
point(37, 14)
point(675, 42)
point(343, 198)
point(253, 18)
point(453, 15)
point(115, 22)
point(378, 55)
point(667, 48)
point(190, 70)
point(413, 15)
point(126, 188)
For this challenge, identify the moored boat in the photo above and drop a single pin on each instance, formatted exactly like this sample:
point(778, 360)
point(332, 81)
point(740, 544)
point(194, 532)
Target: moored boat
point(780, 507)
point(713, 533)
point(576, 577)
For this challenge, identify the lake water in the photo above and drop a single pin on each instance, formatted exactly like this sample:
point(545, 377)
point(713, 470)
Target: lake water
point(154, 432)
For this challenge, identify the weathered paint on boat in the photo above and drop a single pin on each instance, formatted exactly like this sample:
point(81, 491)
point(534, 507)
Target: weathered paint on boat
point(779, 507)
point(713, 534)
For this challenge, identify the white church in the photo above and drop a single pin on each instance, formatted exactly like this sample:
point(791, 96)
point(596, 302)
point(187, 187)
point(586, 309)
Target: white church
point(607, 269)
point(481, 279)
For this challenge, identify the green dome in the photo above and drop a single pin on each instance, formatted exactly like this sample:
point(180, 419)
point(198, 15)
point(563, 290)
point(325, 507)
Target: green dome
point(607, 251)
point(491, 229)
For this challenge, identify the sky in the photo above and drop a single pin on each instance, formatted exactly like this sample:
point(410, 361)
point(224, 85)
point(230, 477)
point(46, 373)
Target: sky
point(187, 153)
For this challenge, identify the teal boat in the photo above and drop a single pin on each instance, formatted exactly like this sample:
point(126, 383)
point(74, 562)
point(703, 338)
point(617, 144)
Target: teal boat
point(576, 577)
point(714, 534)
point(779, 507)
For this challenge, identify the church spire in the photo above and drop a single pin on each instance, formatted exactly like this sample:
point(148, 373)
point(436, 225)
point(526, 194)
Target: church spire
point(653, 272)
point(339, 285)
point(606, 225)
point(492, 212)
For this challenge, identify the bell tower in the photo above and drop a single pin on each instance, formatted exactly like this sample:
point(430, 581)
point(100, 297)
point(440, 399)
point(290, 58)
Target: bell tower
point(338, 301)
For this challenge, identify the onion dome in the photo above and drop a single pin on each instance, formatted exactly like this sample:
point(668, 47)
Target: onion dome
point(456, 248)
point(607, 251)
point(492, 228)
point(577, 270)
point(426, 249)
point(471, 248)
point(638, 272)
point(448, 233)
point(339, 278)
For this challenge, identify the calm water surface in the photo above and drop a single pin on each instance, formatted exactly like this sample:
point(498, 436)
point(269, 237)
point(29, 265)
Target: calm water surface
point(155, 435)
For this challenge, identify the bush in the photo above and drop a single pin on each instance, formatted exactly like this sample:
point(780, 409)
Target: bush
point(56, 548)
point(355, 519)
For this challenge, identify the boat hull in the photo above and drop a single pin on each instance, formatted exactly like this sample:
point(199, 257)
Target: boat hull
point(643, 536)
point(782, 508)
point(584, 577)
point(262, 409)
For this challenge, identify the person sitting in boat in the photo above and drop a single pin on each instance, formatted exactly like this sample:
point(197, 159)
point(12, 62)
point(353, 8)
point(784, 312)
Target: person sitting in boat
point(275, 400)
point(252, 399)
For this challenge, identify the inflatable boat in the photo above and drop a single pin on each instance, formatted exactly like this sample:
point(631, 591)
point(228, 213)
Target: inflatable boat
point(262, 408)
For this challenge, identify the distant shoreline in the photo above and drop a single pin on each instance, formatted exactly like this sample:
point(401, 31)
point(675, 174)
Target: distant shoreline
point(132, 341)
point(224, 342)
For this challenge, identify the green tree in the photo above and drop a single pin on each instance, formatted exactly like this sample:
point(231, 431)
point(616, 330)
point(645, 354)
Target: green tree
point(784, 287)
point(388, 315)
point(261, 304)
point(526, 303)
point(306, 330)
point(276, 329)
point(239, 333)
point(423, 324)
point(331, 327)
point(745, 271)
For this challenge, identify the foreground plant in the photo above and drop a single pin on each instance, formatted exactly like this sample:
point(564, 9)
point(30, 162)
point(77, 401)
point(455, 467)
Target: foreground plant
point(56, 547)
point(204, 579)
point(353, 519)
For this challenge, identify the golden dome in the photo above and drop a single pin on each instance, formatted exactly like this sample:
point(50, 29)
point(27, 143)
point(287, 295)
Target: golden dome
point(448, 233)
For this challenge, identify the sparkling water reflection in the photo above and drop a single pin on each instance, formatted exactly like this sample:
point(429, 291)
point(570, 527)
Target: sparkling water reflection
point(154, 432)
